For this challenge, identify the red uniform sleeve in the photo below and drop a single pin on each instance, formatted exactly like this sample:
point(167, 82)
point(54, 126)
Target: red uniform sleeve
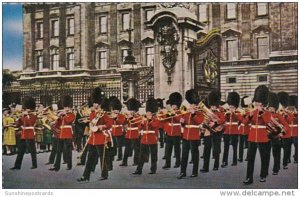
point(221, 117)
point(120, 119)
point(283, 122)
point(197, 119)
point(69, 118)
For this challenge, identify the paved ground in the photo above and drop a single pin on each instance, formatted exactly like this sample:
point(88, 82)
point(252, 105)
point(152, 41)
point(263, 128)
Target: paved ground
point(121, 177)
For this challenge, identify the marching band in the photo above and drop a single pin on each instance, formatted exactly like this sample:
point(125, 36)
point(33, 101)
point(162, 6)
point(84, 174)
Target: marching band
point(267, 123)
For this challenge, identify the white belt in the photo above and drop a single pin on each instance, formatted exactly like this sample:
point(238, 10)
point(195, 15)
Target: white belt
point(293, 125)
point(231, 123)
point(132, 128)
point(259, 126)
point(174, 124)
point(115, 126)
point(32, 128)
point(147, 132)
point(66, 127)
point(192, 126)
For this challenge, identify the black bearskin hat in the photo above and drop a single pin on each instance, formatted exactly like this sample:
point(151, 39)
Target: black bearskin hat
point(105, 104)
point(233, 98)
point(214, 98)
point(151, 105)
point(160, 103)
point(283, 98)
point(243, 101)
point(115, 103)
point(175, 99)
point(293, 101)
point(29, 103)
point(98, 96)
point(261, 95)
point(273, 100)
point(192, 96)
point(133, 105)
point(67, 101)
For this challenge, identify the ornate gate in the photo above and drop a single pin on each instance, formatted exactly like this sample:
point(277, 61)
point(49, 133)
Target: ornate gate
point(207, 63)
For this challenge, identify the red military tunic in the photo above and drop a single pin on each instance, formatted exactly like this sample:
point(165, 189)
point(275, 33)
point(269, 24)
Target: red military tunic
point(64, 124)
point(192, 126)
point(117, 127)
point(243, 128)
point(292, 121)
point(27, 122)
point(258, 132)
point(232, 122)
point(133, 129)
point(100, 137)
point(172, 126)
point(150, 131)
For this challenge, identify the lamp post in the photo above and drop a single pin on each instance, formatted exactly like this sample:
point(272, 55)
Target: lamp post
point(128, 69)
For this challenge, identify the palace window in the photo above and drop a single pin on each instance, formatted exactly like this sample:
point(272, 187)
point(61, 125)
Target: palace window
point(148, 14)
point(102, 60)
point(39, 60)
point(70, 60)
point(262, 78)
point(203, 16)
point(232, 50)
point(40, 30)
point(125, 21)
point(103, 24)
point(231, 11)
point(124, 53)
point(149, 56)
point(71, 26)
point(54, 28)
point(231, 80)
point(261, 9)
point(262, 48)
point(54, 60)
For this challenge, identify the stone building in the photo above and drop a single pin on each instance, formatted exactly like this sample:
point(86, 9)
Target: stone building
point(72, 48)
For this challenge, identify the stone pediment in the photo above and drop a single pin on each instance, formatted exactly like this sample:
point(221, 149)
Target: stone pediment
point(231, 32)
point(101, 45)
point(261, 28)
point(124, 42)
point(53, 47)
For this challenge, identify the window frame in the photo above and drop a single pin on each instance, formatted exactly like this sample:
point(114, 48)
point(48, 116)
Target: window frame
point(227, 54)
point(122, 21)
point(40, 30)
point(206, 11)
point(267, 9)
point(236, 11)
point(229, 78)
point(147, 55)
point(100, 60)
point(258, 77)
point(69, 27)
point(53, 28)
point(258, 46)
point(100, 24)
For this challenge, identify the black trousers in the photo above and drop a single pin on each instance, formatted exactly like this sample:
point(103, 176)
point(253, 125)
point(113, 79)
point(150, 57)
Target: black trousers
point(117, 148)
point(173, 141)
point(84, 154)
point(54, 150)
point(64, 144)
point(242, 144)
point(24, 144)
point(188, 145)
point(212, 142)
point(233, 140)
point(287, 146)
point(144, 152)
point(263, 151)
point(276, 151)
point(79, 139)
point(130, 146)
point(161, 137)
point(94, 152)
point(295, 142)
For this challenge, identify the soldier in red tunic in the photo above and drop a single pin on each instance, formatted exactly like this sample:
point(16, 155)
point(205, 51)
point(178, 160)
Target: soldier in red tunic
point(213, 125)
point(150, 125)
point(243, 130)
point(132, 141)
point(231, 133)
point(26, 123)
point(119, 120)
point(258, 135)
point(293, 123)
point(190, 121)
point(99, 139)
point(276, 131)
point(65, 136)
point(283, 98)
point(173, 130)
